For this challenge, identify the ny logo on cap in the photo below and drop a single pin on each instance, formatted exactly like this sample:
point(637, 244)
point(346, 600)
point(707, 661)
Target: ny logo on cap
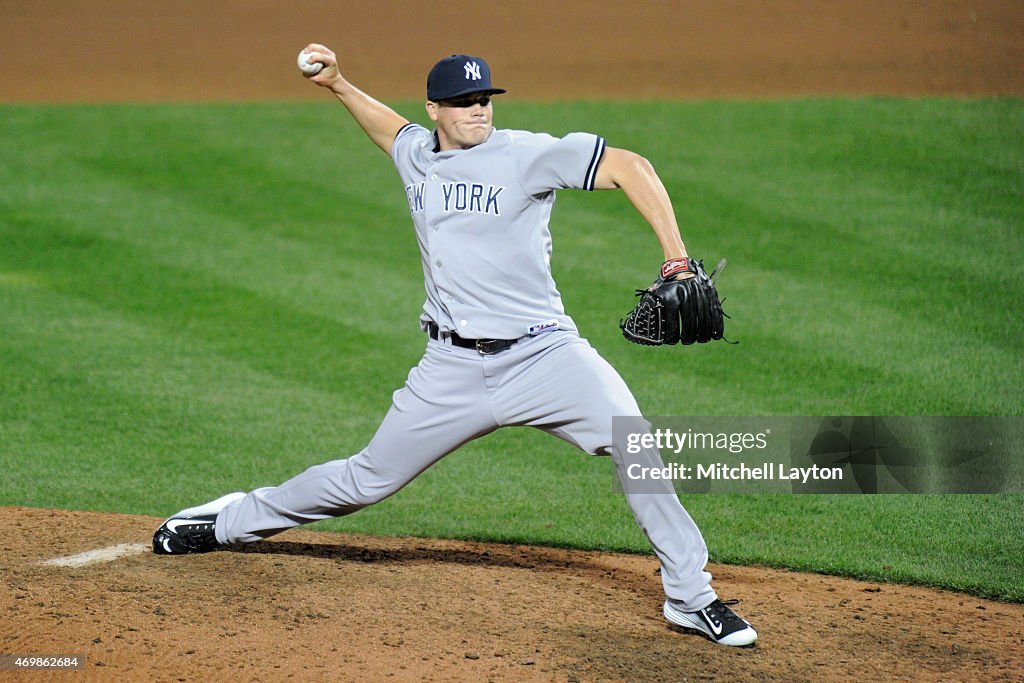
point(472, 71)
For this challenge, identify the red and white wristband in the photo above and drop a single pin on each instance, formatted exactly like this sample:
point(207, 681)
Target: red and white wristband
point(674, 266)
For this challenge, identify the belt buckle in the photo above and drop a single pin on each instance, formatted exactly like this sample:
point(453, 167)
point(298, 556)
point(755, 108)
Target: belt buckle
point(487, 347)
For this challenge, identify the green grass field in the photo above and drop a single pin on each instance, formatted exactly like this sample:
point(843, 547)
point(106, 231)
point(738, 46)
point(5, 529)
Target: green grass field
point(199, 299)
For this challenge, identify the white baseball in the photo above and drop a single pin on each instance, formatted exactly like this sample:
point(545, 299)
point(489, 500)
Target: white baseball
point(307, 67)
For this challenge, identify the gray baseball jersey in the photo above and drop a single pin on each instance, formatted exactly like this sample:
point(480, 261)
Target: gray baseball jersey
point(481, 218)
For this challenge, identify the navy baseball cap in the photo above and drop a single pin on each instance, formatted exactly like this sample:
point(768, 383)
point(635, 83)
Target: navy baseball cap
point(459, 75)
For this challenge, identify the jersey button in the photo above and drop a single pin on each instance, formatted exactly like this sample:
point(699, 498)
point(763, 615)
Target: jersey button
point(433, 177)
point(437, 263)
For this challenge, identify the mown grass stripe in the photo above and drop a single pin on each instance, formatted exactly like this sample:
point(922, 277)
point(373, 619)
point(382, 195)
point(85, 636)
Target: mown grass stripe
point(200, 298)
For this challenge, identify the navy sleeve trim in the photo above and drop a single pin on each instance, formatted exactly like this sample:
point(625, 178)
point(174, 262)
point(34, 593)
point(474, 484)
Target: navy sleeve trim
point(588, 183)
point(402, 129)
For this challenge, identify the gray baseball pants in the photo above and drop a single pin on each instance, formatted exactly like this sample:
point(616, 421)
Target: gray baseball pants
point(555, 382)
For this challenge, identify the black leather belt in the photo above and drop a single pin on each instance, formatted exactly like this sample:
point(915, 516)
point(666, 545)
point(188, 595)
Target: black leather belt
point(485, 347)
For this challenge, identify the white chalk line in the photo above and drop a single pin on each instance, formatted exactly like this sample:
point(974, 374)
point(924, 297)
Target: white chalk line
point(108, 554)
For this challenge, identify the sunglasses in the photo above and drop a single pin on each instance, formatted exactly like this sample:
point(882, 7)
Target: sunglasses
point(467, 101)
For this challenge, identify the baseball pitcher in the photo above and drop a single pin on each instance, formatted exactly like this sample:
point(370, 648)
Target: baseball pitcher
point(500, 349)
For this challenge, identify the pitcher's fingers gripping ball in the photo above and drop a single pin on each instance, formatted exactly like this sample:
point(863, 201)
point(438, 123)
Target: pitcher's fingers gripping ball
point(318, 64)
point(681, 306)
point(307, 67)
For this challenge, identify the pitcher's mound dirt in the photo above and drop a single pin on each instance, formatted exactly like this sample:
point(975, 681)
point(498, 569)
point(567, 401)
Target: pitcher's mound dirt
point(324, 606)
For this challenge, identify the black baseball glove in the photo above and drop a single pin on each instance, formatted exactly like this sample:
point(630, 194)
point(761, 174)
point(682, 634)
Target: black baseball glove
point(674, 310)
